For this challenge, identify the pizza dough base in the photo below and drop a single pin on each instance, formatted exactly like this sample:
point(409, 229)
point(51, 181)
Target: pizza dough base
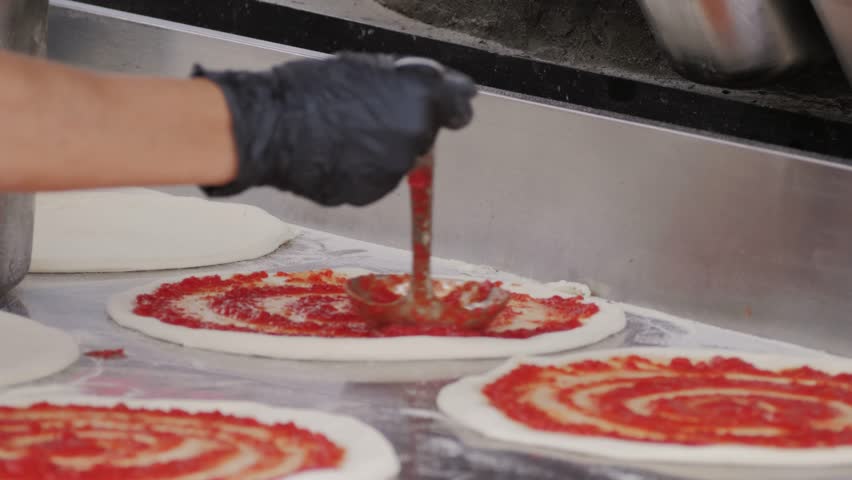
point(369, 456)
point(465, 404)
point(609, 320)
point(30, 350)
point(139, 229)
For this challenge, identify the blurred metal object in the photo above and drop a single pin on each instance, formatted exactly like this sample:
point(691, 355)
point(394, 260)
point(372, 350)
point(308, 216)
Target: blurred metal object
point(23, 29)
point(836, 16)
point(736, 42)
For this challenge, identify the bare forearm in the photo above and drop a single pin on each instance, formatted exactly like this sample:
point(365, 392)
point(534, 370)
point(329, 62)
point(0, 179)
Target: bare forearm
point(62, 128)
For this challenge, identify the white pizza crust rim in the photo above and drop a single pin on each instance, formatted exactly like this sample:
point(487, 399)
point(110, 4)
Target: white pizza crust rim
point(464, 403)
point(609, 320)
point(369, 455)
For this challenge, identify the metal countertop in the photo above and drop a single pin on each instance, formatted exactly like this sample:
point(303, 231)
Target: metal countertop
point(398, 398)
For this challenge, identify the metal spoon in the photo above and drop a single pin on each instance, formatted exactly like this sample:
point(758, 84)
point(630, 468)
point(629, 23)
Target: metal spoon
point(410, 300)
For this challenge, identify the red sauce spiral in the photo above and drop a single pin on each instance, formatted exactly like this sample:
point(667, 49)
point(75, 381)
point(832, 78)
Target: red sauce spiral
point(721, 401)
point(45, 441)
point(315, 303)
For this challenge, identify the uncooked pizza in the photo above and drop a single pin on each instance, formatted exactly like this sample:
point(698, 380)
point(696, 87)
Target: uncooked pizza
point(96, 438)
point(657, 404)
point(308, 315)
point(128, 230)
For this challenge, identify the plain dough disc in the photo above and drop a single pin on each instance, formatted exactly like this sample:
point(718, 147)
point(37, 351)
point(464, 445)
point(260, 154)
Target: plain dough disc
point(369, 456)
point(465, 404)
point(139, 229)
point(608, 321)
point(29, 350)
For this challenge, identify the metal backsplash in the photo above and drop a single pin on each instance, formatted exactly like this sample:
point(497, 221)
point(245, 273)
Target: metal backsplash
point(731, 234)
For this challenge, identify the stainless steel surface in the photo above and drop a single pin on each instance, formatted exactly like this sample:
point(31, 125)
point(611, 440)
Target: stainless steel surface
point(836, 16)
point(733, 42)
point(734, 235)
point(114, 41)
point(23, 28)
point(398, 398)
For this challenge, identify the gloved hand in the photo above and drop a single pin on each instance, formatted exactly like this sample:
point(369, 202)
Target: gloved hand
point(341, 130)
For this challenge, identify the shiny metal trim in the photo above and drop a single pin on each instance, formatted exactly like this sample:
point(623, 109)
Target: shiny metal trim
point(69, 7)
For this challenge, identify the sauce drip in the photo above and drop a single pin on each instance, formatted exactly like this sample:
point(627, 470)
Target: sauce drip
point(725, 400)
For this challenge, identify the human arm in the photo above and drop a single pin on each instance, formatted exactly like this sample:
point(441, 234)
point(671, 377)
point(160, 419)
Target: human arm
point(341, 130)
point(64, 128)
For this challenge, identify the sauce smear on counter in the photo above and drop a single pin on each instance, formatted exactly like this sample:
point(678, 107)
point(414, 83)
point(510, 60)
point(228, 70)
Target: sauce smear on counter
point(315, 303)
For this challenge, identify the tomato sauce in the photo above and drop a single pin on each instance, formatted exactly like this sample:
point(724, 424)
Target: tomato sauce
point(107, 354)
point(45, 441)
point(315, 303)
point(725, 400)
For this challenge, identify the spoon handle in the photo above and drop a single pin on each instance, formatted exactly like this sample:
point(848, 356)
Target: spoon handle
point(420, 186)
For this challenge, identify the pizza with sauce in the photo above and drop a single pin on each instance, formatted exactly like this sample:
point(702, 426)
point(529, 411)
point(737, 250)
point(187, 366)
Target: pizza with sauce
point(99, 439)
point(308, 315)
point(665, 405)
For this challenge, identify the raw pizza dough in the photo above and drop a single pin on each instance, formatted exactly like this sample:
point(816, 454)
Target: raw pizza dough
point(464, 402)
point(139, 229)
point(29, 350)
point(609, 320)
point(369, 456)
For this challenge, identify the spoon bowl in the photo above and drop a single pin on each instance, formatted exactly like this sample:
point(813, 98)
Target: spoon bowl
point(383, 300)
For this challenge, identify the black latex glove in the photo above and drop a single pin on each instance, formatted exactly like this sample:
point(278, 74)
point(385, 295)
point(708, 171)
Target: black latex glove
point(341, 130)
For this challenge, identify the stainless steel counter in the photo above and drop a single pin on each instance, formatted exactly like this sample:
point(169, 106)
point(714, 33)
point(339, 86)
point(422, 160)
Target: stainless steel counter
point(398, 398)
